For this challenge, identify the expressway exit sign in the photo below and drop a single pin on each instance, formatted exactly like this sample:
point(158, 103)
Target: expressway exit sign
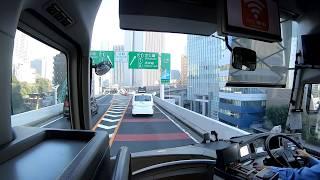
point(143, 60)
point(101, 56)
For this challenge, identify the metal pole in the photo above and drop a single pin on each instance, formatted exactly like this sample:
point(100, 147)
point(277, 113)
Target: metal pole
point(162, 91)
point(55, 88)
point(133, 84)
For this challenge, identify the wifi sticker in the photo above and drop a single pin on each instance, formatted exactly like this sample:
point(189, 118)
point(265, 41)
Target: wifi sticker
point(255, 14)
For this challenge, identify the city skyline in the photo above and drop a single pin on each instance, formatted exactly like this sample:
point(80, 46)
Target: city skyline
point(106, 35)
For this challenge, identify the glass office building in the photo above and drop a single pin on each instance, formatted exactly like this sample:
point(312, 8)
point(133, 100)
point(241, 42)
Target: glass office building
point(203, 77)
point(208, 61)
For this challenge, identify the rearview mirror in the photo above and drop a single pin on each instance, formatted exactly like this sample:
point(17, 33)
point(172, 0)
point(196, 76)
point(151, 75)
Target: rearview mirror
point(102, 68)
point(244, 59)
point(312, 101)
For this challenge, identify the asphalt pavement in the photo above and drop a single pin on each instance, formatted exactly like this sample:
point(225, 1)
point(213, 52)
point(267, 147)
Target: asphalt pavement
point(61, 122)
point(142, 133)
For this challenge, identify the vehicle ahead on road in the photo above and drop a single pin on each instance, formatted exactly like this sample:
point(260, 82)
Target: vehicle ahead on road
point(142, 89)
point(142, 104)
point(93, 106)
point(123, 92)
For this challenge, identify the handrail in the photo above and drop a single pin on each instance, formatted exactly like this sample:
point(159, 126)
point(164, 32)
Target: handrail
point(198, 122)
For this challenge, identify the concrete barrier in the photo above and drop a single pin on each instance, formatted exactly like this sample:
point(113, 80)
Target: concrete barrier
point(199, 123)
point(36, 116)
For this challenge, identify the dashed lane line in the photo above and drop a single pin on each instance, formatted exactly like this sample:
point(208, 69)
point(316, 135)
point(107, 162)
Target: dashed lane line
point(106, 127)
point(116, 105)
point(111, 115)
point(110, 120)
point(119, 123)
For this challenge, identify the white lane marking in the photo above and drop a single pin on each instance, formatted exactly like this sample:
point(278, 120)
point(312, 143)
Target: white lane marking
point(111, 115)
point(117, 109)
point(118, 105)
point(177, 125)
point(117, 112)
point(110, 120)
point(52, 122)
point(106, 127)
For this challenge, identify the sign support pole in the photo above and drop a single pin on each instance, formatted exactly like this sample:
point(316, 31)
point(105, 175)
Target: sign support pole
point(162, 91)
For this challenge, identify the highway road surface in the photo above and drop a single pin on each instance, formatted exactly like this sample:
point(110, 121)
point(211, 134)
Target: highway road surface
point(140, 133)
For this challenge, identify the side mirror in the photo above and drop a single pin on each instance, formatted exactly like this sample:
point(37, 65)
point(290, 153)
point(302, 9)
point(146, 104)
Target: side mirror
point(244, 59)
point(312, 101)
point(102, 68)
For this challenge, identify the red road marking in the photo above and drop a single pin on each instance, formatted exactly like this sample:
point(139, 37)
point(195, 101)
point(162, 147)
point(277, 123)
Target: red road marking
point(151, 137)
point(134, 120)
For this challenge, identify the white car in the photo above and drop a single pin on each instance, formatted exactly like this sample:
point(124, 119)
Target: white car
point(142, 104)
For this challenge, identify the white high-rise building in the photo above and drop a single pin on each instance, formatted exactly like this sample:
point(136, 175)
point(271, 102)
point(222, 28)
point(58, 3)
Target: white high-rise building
point(133, 41)
point(154, 42)
point(20, 63)
point(121, 74)
point(144, 42)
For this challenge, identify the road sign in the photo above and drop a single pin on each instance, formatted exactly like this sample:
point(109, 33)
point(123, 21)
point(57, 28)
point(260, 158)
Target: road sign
point(143, 60)
point(165, 68)
point(101, 56)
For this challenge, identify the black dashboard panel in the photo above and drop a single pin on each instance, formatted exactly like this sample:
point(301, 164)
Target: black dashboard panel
point(192, 17)
point(53, 154)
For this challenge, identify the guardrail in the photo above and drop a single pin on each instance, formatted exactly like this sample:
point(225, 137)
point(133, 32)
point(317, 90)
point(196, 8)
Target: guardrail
point(36, 116)
point(199, 123)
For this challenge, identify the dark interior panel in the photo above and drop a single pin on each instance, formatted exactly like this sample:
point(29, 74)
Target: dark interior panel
point(53, 154)
point(193, 17)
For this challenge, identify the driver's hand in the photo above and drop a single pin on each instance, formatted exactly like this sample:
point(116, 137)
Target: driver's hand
point(258, 166)
point(302, 153)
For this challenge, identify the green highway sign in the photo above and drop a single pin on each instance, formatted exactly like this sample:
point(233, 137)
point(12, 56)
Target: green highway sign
point(165, 68)
point(143, 60)
point(101, 56)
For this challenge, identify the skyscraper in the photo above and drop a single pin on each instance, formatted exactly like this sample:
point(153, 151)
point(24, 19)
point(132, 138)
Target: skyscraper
point(154, 42)
point(184, 70)
point(203, 82)
point(120, 73)
point(144, 42)
point(20, 63)
point(209, 62)
point(133, 41)
point(239, 106)
point(37, 65)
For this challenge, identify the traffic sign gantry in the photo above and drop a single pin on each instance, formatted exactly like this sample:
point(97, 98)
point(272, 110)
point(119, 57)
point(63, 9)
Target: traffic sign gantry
point(143, 60)
point(101, 56)
point(165, 68)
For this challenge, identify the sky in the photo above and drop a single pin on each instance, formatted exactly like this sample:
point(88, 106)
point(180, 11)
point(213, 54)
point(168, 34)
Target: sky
point(36, 49)
point(107, 29)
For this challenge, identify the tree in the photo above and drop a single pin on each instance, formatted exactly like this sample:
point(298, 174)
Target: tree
point(277, 115)
point(27, 89)
point(60, 74)
point(16, 97)
point(43, 85)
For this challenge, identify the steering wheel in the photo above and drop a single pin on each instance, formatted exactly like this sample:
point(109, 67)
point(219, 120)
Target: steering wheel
point(287, 154)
